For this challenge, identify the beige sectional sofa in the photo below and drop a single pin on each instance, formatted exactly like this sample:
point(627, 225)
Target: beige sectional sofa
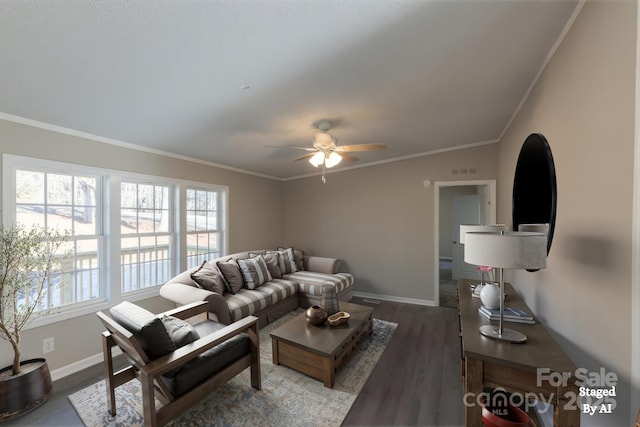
point(238, 285)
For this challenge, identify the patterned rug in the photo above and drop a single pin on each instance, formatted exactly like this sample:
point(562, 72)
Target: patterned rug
point(287, 398)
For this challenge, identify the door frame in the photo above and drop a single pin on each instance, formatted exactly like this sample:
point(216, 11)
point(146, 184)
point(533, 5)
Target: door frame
point(490, 207)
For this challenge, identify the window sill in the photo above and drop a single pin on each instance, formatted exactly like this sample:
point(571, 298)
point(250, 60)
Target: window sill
point(90, 307)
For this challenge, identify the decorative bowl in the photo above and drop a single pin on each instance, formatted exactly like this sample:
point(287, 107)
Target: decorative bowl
point(339, 318)
point(316, 315)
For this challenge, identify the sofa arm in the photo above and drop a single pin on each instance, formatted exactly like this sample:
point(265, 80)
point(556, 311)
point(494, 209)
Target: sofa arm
point(183, 294)
point(321, 264)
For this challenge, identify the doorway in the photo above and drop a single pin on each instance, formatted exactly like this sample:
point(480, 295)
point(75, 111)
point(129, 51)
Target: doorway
point(458, 202)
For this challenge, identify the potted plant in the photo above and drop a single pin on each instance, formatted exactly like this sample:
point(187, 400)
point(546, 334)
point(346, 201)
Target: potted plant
point(29, 260)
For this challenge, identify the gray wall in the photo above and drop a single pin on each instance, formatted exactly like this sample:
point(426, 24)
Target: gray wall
point(255, 220)
point(380, 219)
point(584, 105)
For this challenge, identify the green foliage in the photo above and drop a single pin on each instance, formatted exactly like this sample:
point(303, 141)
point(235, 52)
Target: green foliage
point(27, 259)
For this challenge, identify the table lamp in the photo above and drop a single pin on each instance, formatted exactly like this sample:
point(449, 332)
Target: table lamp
point(470, 228)
point(512, 250)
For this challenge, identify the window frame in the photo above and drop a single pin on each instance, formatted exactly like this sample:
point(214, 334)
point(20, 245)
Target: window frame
point(221, 217)
point(109, 210)
point(10, 165)
point(171, 230)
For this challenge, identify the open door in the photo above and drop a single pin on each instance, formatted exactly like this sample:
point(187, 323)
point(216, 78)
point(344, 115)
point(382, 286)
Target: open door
point(480, 208)
point(467, 209)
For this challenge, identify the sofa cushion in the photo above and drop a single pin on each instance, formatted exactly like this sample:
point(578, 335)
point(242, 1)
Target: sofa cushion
point(180, 331)
point(311, 282)
point(146, 327)
point(190, 374)
point(232, 275)
point(246, 302)
point(271, 258)
point(279, 289)
point(254, 271)
point(208, 277)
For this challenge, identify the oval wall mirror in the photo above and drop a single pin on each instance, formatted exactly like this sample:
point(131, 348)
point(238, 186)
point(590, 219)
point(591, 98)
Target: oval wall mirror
point(534, 186)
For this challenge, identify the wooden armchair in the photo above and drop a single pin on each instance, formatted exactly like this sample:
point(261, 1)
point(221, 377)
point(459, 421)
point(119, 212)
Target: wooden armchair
point(197, 363)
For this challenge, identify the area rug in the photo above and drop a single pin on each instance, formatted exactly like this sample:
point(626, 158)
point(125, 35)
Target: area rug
point(287, 398)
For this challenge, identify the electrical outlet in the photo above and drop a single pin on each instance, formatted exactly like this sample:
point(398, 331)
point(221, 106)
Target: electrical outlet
point(47, 345)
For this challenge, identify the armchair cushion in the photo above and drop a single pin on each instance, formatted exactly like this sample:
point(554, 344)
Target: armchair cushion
point(208, 363)
point(146, 327)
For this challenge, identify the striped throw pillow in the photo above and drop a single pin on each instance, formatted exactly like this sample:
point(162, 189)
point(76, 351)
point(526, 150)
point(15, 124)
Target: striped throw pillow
point(255, 271)
point(287, 261)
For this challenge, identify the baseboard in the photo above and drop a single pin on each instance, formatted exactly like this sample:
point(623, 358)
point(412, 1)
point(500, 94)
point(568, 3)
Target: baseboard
point(395, 299)
point(78, 366)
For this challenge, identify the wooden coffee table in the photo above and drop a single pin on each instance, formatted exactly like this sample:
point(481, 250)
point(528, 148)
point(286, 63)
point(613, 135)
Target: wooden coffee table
point(319, 351)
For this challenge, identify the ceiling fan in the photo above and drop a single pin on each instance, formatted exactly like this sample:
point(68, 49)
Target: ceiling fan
point(327, 153)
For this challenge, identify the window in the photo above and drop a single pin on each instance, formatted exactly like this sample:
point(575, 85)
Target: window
point(66, 202)
point(124, 239)
point(204, 239)
point(146, 235)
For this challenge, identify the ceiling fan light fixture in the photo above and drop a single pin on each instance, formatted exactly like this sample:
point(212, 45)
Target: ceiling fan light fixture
point(317, 159)
point(323, 138)
point(332, 160)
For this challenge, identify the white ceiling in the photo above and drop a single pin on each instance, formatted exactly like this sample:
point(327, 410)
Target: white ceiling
point(220, 80)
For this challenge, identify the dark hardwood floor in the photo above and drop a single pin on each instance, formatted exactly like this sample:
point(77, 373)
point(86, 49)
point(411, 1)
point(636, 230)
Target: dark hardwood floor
point(415, 383)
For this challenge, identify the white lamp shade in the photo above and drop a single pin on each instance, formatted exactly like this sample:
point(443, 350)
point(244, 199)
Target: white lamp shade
point(514, 250)
point(333, 159)
point(317, 159)
point(470, 228)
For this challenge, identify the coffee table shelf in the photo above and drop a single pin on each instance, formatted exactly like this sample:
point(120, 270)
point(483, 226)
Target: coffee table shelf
point(319, 351)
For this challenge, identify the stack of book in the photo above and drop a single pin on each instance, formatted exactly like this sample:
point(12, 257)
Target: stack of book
point(510, 314)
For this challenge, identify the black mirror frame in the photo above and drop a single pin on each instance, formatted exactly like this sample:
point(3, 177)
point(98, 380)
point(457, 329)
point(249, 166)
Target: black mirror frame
point(535, 196)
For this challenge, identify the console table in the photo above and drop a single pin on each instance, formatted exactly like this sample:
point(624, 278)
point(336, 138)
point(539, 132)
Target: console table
point(513, 367)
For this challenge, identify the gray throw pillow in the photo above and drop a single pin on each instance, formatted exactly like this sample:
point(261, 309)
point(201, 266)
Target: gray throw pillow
point(232, 275)
point(208, 277)
point(180, 331)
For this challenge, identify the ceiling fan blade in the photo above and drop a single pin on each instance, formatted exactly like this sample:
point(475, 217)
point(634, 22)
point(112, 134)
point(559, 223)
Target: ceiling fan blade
point(292, 148)
point(348, 157)
point(362, 147)
point(306, 156)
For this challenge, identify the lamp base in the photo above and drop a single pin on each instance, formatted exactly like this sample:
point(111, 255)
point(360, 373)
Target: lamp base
point(506, 335)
